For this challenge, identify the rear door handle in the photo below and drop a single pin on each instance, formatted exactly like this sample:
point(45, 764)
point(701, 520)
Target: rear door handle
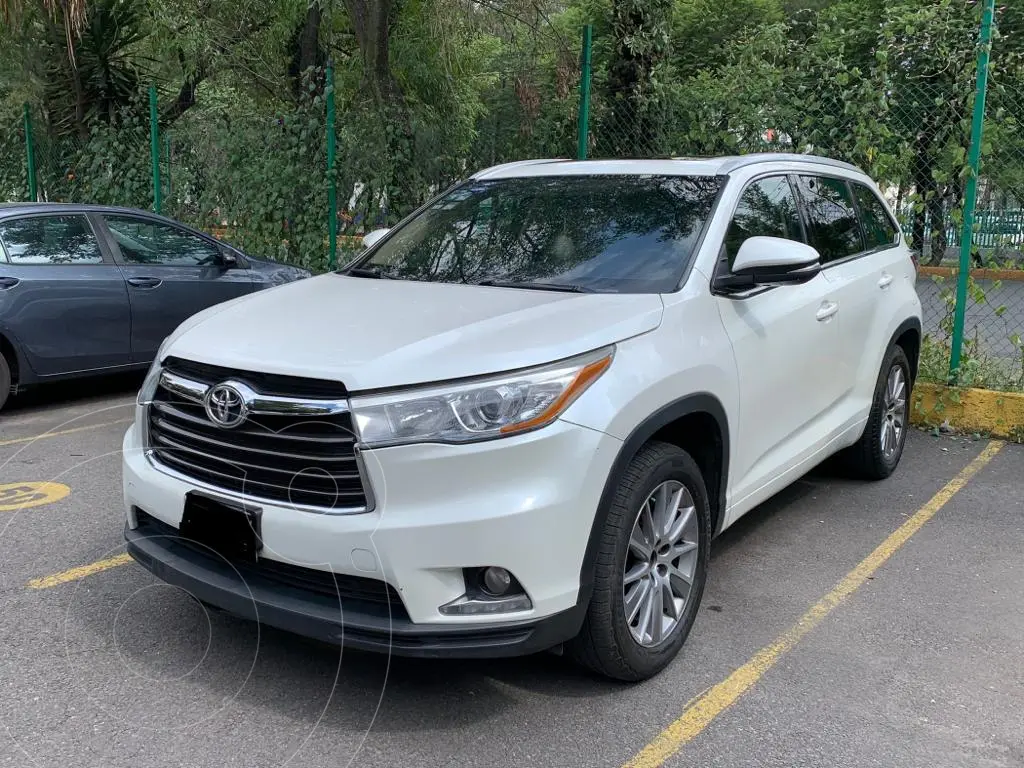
point(885, 280)
point(8, 282)
point(144, 282)
point(826, 311)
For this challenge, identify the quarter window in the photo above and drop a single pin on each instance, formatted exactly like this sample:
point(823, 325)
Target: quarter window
point(832, 222)
point(155, 244)
point(879, 230)
point(50, 240)
point(766, 209)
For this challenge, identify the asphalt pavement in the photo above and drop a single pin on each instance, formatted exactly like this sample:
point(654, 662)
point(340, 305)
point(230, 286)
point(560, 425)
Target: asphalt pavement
point(918, 666)
point(994, 315)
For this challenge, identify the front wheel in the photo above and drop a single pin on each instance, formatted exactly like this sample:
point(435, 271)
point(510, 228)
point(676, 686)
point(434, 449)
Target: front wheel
point(650, 569)
point(876, 455)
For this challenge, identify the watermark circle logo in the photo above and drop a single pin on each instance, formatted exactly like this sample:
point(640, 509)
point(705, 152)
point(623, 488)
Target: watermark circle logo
point(15, 496)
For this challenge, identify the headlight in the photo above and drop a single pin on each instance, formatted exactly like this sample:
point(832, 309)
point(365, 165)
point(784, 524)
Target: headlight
point(148, 389)
point(497, 406)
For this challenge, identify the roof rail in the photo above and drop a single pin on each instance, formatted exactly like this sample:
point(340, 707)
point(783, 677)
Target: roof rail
point(742, 161)
point(485, 172)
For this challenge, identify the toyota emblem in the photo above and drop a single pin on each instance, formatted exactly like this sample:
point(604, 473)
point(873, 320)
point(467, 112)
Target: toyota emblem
point(225, 406)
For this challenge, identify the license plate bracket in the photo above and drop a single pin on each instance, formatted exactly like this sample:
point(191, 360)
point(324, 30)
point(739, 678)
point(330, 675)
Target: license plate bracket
point(231, 529)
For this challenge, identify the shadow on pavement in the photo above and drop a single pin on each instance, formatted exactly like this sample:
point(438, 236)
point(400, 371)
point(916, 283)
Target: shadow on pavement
point(73, 392)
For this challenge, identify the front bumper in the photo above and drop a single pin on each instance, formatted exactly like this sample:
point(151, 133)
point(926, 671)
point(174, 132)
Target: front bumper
point(524, 503)
point(352, 624)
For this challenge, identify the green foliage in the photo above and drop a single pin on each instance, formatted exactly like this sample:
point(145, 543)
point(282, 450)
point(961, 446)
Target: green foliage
point(262, 178)
point(886, 84)
point(107, 72)
point(13, 176)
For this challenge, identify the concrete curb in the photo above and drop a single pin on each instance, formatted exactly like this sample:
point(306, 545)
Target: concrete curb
point(986, 411)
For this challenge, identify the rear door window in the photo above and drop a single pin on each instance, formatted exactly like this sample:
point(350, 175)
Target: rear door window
point(879, 229)
point(832, 224)
point(54, 240)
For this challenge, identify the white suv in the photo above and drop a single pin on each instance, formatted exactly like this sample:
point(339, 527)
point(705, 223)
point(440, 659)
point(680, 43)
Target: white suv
point(517, 421)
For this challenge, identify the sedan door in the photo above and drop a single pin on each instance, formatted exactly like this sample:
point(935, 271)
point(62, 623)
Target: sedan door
point(61, 298)
point(172, 274)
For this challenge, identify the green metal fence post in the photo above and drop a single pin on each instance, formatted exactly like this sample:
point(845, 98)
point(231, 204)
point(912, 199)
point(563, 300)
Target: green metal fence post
point(971, 193)
point(584, 117)
point(154, 148)
point(30, 156)
point(332, 183)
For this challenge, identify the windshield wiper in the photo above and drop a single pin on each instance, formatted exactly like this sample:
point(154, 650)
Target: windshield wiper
point(375, 272)
point(563, 287)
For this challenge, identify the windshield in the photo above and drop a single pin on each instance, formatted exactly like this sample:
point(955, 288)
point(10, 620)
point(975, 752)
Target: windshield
point(621, 234)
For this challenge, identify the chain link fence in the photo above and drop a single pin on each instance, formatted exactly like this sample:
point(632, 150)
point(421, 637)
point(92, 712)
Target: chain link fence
point(264, 181)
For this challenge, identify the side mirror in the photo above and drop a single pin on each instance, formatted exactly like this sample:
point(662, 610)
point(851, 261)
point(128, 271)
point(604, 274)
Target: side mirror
point(770, 261)
point(372, 237)
point(228, 260)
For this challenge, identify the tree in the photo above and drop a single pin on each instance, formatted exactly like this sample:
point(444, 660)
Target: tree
point(640, 65)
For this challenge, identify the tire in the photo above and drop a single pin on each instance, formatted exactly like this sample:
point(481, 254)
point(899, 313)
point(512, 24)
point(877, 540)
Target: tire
point(608, 642)
point(866, 459)
point(5, 380)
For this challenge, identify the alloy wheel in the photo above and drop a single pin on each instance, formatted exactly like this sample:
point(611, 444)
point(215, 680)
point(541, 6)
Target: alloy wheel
point(894, 412)
point(660, 564)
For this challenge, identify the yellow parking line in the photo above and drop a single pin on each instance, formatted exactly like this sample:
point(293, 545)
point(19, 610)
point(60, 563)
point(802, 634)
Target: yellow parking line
point(74, 574)
point(61, 432)
point(720, 697)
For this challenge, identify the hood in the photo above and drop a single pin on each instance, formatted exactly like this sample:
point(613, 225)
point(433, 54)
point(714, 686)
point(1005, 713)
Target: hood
point(372, 334)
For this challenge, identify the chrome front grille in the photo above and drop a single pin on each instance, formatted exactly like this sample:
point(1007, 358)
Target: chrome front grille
point(296, 445)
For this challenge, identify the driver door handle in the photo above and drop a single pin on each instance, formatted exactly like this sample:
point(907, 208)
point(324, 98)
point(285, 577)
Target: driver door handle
point(144, 282)
point(826, 311)
point(8, 282)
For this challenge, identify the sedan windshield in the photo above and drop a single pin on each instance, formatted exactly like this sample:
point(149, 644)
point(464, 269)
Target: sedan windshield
point(619, 234)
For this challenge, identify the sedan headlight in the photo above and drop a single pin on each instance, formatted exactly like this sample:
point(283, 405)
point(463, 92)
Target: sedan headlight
point(496, 406)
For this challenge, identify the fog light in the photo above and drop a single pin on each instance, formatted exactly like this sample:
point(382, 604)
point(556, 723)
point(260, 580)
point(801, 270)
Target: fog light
point(472, 606)
point(497, 581)
point(489, 590)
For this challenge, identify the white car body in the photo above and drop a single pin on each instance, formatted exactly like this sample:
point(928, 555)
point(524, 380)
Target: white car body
point(787, 374)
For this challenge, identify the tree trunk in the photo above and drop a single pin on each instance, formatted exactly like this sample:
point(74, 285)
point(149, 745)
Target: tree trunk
point(372, 21)
point(307, 53)
point(924, 188)
point(937, 217)
point(185, 99)
point(641, 29)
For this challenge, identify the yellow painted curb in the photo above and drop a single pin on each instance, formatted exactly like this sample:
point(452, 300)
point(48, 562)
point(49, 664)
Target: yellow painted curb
point(969, 410)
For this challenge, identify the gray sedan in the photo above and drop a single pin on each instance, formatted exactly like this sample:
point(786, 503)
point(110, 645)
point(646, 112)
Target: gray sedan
point(91, 289)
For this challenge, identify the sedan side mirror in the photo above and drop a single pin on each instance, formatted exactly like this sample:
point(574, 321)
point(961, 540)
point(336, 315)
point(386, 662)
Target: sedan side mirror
point(372, 237)
point(228, 260)
point(770, 261)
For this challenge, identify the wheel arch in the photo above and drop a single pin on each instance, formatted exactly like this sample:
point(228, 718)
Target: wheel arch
point(908, 336)
point(687, 422)
point(9, 349)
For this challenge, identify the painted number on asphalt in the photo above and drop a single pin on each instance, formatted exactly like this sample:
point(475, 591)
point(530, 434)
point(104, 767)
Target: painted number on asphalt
point(15, 496)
